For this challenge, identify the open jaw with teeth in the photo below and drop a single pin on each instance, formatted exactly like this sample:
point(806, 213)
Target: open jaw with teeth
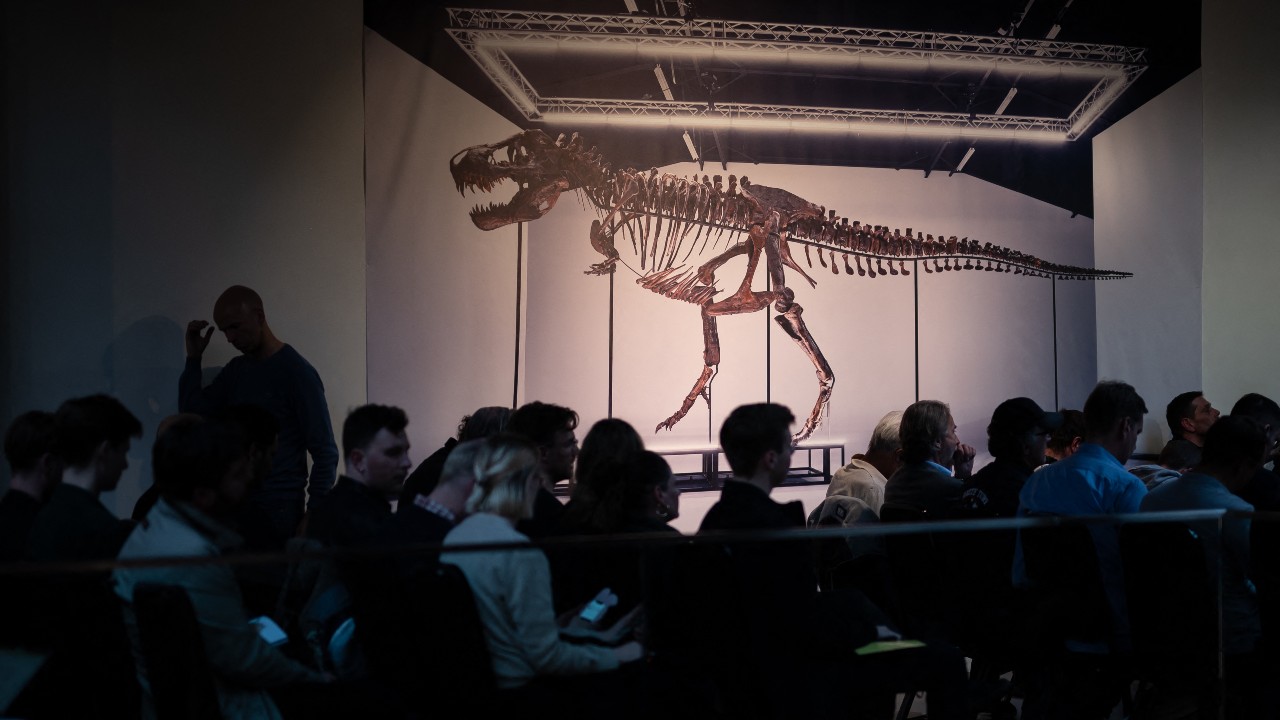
point(476, 169)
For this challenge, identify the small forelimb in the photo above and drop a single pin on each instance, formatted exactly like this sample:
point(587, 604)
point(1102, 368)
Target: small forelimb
point(707, 270)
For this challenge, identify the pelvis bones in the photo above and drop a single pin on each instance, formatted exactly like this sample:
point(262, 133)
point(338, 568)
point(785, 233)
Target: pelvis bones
point(665, 219)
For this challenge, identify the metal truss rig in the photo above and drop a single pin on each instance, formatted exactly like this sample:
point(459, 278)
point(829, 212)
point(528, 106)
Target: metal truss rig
point(487, 35)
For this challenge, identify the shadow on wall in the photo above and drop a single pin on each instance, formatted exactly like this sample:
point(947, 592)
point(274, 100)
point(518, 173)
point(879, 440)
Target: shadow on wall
point(143, 363)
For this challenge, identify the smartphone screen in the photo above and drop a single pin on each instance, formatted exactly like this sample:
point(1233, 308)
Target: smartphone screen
point(594, 610)
point(268, 630)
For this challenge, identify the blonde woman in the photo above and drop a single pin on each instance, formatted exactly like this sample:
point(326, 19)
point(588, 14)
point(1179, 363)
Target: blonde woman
point(512, 587)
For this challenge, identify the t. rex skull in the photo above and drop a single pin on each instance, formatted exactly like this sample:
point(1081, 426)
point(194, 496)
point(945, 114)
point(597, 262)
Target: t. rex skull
point(540, 167)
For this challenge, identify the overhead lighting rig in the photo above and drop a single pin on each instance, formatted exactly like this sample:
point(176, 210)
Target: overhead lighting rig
point(490, 37)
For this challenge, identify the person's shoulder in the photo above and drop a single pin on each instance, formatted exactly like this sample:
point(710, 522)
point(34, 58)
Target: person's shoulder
point(908, 474)
point(717, 518)
point(16, 502)
point(165, 533)
point(289, 358)
point(483, 528)
point(858, 473)
point(1161, 496)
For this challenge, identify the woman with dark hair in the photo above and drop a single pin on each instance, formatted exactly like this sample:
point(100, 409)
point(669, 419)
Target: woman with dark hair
point(641, 497)
point(607, 442)
point(633, 494)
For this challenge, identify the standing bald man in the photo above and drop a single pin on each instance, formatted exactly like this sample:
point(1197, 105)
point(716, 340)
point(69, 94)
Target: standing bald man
point(270, 374)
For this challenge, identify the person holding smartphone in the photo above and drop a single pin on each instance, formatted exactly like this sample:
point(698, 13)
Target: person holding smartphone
point(512, 588)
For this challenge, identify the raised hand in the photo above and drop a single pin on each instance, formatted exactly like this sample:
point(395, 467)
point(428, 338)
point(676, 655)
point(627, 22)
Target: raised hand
point(196, 340)
point(962, 461)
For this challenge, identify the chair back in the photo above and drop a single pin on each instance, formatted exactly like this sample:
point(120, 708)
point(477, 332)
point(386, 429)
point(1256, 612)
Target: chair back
point(1062, 565)
point(182, 683)
point(425, 639)
point(898, 512)
point(1173, 609)
point(920, 591)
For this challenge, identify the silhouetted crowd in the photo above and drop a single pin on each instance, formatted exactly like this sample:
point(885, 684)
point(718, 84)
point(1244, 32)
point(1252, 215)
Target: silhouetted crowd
point(249, 585)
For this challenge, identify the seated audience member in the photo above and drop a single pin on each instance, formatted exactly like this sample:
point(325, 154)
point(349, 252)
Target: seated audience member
point(1234, 449)
point(1016, 438)
point(377, 460)
point(1262, 491)
point(854, 497)
point(28, 448)
point(429, 518)
point(260, 583)
point(551, 430)
point(866, 474)
point(606, 442)
point(354, 514)
point(986, 605)
point(1093, 481)
point(397, 598)
point(92, 444)
point(803, 639)
point(640, 496)
point(482, 423)
point(77, 613)
point(151, 495)
point(512, 587)
point(1173, 460)
point(930, 449)
point(1189, 416)
point(263, 432)
point(1064, 441)
point(202, 469)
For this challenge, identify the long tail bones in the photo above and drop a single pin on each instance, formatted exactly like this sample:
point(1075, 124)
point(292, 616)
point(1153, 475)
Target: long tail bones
point(668, 224)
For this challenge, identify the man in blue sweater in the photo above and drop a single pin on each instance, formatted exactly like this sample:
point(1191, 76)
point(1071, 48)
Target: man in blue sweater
point(270, 374)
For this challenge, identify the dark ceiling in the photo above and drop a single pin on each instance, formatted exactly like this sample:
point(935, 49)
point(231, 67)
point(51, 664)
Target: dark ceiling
point(1060, 174)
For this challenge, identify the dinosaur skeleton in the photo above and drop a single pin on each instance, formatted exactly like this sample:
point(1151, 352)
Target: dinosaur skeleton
point(667, 219)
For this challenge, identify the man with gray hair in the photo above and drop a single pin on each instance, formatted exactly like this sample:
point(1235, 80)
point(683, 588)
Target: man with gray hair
point(935, 463)
point(867, 473)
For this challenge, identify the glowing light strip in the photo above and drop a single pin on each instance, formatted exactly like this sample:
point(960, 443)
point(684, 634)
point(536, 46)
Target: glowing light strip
point(903, 124)
point(1098, 100)
point(760, 52)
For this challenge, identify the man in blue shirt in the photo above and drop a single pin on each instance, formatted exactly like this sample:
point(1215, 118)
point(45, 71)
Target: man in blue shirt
point(272, 375)
point(1094, 481)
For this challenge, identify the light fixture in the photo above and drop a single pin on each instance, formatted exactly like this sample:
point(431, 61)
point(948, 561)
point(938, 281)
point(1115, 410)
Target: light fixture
point(1004, 104)
point(832, 124)
point(662, 82)
point(688, 142)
